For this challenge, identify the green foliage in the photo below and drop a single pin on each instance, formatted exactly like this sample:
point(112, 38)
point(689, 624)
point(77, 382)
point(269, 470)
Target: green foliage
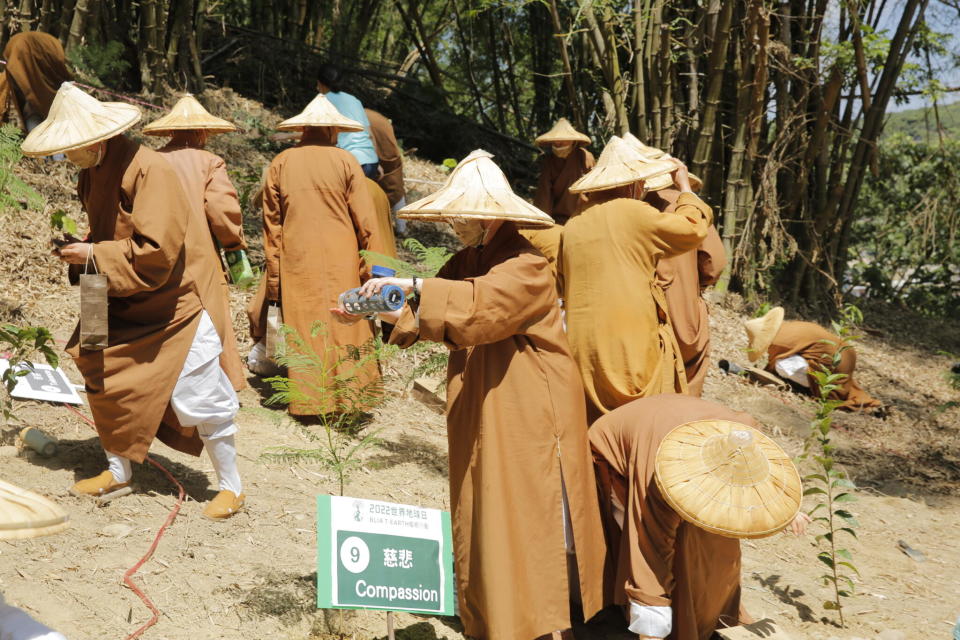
point(829, 485)
point(21, 343)
point(906, 245)
point(60, 221)
point(919, 125)
point(338, 378)
point(429, 260)
point(448, 165)
point(763, 310)
point(101, 65)
point(14, 192)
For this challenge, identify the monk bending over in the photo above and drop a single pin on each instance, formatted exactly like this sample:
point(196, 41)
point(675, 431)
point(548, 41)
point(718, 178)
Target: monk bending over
point(795, 350)
point(35, 68)
point(675, 578)
point(515, 414)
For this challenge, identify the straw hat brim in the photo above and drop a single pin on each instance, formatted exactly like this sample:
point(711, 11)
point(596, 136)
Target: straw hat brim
point(53, 136)
point(562, 131)
point(166, 126)
point(476, 189)
point(655, 175)
point(696, 489)
point(24, 514)
point(290, 125)
point(761, 332)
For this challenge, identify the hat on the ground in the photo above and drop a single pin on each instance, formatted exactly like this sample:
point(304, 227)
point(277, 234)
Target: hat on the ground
point(563, 131)
point(728, 478)
point(78, 120)
point(657, 154)
point(620, 164)
point(24, 514)
point(188, 115)
point(476, 189)
point(320, 113)
point(761, 332)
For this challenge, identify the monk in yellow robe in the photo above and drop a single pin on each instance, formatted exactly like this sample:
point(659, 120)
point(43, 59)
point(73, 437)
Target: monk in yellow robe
point(565, 161)
point(672, 578)
point(34, 70)
point(160, 374)
point(214, 203)
point(515, 415)
point(317, 216)
point(618, 323)
point(683, 279)
point(795, 350)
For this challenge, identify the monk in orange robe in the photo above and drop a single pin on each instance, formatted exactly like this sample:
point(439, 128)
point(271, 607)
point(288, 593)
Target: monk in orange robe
point(796, 349)
point(35, 69)
point(565, 161)
point(547, 242)
point(317, 215)
point(618, 323)
point(159, 375)
point(213, 200)
point(515, 417)
point(381, 204)
point(391, 158)
point(672, 578)
point(683, 279)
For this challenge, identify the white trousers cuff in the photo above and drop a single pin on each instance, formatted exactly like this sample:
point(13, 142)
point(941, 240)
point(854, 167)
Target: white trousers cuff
point(120, 468)
point(16, 624)
point(203, 394)
point(656, 622)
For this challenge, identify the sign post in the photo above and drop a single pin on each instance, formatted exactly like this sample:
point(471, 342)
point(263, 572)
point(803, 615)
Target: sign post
point(380, 555)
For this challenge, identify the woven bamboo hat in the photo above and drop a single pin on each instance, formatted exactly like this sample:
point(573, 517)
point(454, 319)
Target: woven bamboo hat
point(478, 190)
point(761, 332)
point(188, 115)
point(619, 165)
point(657, 154)
point(728, 478)
point(24, 514)
point(320, 113)
point(563, 131)
point(77, 120)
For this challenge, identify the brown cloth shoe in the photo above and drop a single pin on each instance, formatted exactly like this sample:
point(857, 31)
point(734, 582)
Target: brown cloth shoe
point(102, 486)
point(223, 505)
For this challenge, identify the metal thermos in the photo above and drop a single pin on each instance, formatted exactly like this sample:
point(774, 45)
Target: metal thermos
point(390, 297)
point(39, 442)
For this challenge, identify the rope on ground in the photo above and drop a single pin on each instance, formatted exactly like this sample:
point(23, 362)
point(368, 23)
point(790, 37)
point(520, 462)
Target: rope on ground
point(153, 547)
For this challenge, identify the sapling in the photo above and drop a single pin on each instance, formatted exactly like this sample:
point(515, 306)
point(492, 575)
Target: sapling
point(830, 484)
point(17, 346)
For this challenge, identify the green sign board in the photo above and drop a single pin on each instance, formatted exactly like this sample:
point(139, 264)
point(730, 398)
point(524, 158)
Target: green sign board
point(380, 555)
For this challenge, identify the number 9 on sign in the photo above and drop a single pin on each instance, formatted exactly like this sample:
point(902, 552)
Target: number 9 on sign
point(354, 554)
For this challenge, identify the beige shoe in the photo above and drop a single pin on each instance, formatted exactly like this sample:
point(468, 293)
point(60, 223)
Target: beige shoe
point(223, 505)
point(103, 487)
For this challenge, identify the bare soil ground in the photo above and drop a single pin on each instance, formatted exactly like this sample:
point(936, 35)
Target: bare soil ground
point(253, 577)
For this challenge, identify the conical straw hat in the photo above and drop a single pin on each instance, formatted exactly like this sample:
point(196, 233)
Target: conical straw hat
point(563, 131)
point(77, 120)
point(476, 189)
point(620, 164)
point(660, 182)
point(320, 113)
point(188, 115)
point(761, 332)
point(24, 514)
point(728, 478)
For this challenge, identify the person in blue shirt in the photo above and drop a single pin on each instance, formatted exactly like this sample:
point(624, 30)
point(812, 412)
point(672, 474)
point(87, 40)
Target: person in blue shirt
point(359, 143)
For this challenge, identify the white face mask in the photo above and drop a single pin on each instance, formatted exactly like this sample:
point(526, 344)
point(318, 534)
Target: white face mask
point(87, 157)
point(469, 232)
point(562, 150)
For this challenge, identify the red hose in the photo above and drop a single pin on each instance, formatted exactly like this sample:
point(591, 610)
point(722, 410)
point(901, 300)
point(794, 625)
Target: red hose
point(153, 547)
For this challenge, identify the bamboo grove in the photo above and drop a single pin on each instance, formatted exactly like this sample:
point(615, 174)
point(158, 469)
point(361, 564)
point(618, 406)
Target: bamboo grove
point(777, 105)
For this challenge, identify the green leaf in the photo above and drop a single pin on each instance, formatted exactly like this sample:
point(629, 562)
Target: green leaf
point(813, 491)
point(844, 497)
point(849, 530)
point(825, 558)
point(850, 566)
point(844, 482)
point(831, 605)
point(844, 553)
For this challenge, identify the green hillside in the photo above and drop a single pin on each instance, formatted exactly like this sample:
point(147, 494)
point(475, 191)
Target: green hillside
point(921, 124)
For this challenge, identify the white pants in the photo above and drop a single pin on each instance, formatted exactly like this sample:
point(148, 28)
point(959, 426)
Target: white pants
point(16, 624)
point(203, 398)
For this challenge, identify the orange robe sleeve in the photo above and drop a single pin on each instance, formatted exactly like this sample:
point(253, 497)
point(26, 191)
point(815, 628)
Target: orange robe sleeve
point(684, 229)
point(145, 260)
point(711, 258)
point(222, 207)
point(502, 303)
point(272, 231)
